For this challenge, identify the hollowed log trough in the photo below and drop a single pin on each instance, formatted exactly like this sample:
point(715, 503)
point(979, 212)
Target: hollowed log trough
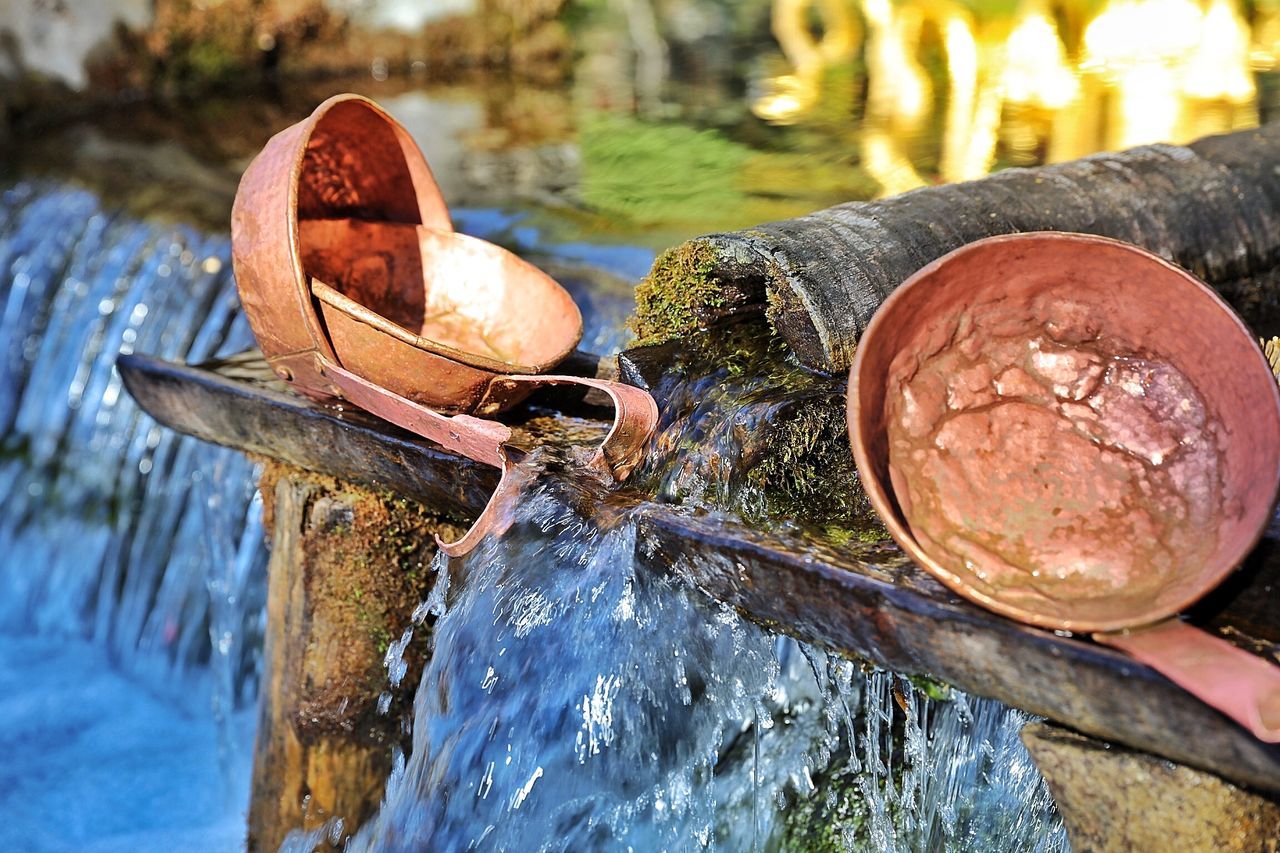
point(866, 600)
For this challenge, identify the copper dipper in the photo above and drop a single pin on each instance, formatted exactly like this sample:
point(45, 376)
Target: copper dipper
point(357, 288)
point(1079, 435)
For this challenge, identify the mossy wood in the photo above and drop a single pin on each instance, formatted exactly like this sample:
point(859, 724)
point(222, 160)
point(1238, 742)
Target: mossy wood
point(1212, 207)
point(348, 567)
point(864, 600)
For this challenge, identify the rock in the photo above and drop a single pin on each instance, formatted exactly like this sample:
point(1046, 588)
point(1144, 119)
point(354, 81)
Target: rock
point(1116, 799)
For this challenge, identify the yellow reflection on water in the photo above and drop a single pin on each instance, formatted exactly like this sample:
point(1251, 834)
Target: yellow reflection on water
point(1047, 82)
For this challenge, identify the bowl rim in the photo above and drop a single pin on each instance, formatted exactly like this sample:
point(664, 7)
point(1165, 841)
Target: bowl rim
point(881, 494)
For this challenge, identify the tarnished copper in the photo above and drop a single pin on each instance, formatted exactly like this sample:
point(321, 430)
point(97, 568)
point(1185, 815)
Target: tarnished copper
point(1079, 435)
point(348, 159)
point(357, 287)
point(403, 302)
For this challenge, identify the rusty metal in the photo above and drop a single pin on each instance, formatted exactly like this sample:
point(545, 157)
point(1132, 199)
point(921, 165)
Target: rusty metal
point(1078, 435)
point(358, 288)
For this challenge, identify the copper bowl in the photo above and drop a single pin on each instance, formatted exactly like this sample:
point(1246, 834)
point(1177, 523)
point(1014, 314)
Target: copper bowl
point(342, 207)
point(1079, 435)
point(356, 287)
point(1141, 304)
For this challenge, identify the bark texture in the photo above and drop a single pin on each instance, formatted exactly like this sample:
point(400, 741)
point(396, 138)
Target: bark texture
point(1212, 207)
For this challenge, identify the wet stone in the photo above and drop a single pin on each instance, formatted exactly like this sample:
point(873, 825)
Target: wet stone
point(1115, 799)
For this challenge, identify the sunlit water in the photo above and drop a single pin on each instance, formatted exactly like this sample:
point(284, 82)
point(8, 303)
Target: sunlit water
point(577, 700)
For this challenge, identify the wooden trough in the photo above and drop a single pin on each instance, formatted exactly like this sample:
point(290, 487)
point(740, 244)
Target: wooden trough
point(864, 600)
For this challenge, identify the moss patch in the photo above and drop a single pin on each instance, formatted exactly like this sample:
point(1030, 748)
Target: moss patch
point(366, 557)
point(809, 469)
point(823, 822)
point(668, 300)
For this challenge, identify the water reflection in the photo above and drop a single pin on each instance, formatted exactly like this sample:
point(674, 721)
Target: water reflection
point(687, 116)
point(1042, 82)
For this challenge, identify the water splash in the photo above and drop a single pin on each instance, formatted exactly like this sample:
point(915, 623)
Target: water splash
point(575, 697)
point(745, 429)
point(577, 700)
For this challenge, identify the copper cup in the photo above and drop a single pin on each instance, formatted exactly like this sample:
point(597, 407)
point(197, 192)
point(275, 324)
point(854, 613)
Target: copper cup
point(1079, 435)
point(345, 249)
point(357, 288)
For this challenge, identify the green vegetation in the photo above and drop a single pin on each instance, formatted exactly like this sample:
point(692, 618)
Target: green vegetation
point(809, 473)
point(669, 298)
point(825, 821)
point(654, 173)
point(675, 176)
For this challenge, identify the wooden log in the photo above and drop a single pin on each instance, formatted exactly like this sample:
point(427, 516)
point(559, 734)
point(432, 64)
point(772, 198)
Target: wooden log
point(1114, 800)
point(871, 602)
point(1212, 207)
point(867, 600)
point(347, 568)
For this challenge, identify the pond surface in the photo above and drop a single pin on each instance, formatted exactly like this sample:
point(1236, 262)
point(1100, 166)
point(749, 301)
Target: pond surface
point(131, 582)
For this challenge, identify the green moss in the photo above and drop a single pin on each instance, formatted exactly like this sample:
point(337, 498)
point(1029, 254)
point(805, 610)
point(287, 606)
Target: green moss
point(824, 821)
point(869, 531)
point(668, 300)
point(939, 691)
point(809, 472)
point(382, 639)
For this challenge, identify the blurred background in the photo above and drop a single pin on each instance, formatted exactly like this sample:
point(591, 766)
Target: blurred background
point(631, 120)
point(588, 133)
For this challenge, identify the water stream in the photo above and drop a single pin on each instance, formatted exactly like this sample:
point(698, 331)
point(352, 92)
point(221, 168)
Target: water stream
point(131, 586)
point(575, 700)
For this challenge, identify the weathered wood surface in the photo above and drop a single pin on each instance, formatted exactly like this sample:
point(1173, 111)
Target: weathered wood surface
point(1212, 207)
point(870, 601)
point(347, 569)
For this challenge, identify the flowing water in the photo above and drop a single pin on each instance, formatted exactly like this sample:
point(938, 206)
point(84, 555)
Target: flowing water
point(130, 552)
point(577, 700)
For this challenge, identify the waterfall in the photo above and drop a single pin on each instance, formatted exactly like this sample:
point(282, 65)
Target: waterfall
point(105, 529)
point(131, 582)
point(577, 700)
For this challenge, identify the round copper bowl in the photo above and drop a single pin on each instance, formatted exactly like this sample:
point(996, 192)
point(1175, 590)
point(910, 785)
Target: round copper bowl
point(344, 253)
point(1132, 302)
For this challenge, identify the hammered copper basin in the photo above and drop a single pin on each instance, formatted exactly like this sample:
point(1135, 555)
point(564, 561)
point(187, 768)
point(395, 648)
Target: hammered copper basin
point(1077, 434)
point(1066, 429)
point(357, 288)
point(345, 252)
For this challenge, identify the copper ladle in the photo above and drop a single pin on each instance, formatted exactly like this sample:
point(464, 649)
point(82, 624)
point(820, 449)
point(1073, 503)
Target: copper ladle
point(1079, 435)
point(357, 287)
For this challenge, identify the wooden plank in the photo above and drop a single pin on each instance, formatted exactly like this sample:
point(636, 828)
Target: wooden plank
point(872, 602)
point(866, 600)
point(347, 569)
point(236, 405)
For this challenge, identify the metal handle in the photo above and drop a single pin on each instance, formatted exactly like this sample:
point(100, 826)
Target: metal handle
point(635, 418)
point(1241, 685)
